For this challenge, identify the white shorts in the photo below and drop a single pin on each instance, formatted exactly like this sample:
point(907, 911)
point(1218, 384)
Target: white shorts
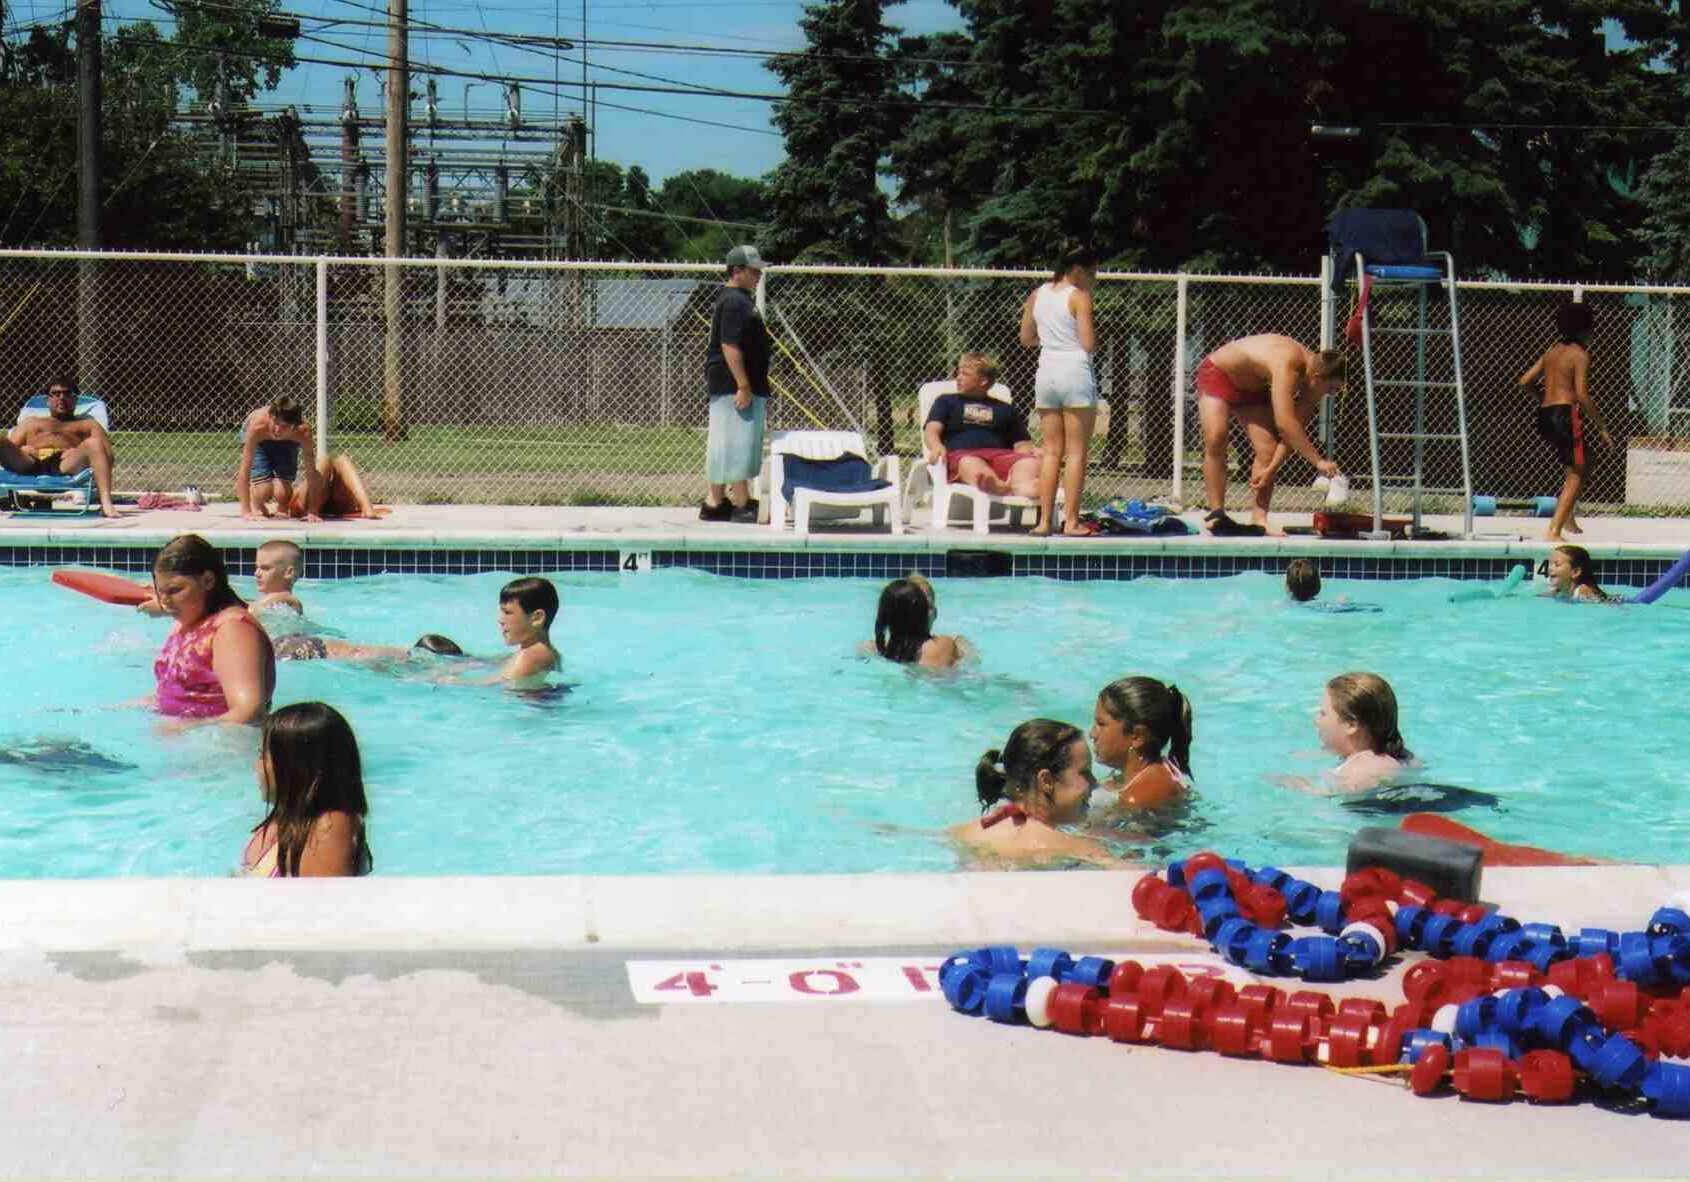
point(1062, 383)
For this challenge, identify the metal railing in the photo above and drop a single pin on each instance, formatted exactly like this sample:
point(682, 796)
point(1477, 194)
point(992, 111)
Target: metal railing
point(581, 383)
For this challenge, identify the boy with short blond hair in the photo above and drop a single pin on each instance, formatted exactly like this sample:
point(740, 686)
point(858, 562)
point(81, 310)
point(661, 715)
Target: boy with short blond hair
point(277, 566)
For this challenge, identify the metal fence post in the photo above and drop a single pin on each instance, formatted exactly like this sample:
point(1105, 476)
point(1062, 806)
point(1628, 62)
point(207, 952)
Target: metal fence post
point(322, 358)
point(1179, 388)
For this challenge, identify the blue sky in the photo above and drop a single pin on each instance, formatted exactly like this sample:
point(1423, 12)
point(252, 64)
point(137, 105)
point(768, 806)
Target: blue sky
point(661, 145)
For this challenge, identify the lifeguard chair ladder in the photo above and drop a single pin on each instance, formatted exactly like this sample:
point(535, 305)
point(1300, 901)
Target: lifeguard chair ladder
point(1430, 371)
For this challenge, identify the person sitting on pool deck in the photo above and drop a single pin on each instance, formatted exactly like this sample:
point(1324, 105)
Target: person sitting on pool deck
point(59, 443)
point(310, 775)
point(1271, 384)
point(981, 441)
point(1041, 779)
point(217, 662)
point(271, 441)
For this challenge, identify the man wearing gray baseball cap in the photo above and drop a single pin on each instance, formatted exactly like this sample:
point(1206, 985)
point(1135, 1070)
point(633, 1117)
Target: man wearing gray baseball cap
point(736, 378)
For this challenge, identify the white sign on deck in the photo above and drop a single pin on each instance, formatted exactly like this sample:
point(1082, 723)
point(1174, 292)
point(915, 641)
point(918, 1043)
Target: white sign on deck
point(836, 979)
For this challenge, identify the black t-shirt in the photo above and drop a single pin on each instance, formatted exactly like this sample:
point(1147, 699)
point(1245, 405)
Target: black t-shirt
point(969, 423)
point(736, 321)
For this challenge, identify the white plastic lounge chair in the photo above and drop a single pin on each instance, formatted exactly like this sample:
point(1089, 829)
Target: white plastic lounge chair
point(825, 446)
point(977, 504)
point(88, 406)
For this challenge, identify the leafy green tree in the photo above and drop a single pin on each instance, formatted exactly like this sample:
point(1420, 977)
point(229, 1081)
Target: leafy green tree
point(229, 49)
point(828, 205)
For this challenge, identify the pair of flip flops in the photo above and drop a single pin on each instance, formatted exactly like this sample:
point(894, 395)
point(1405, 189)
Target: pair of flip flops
point(1222, 526)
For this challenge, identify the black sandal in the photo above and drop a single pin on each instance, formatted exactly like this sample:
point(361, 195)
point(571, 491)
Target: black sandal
point(1223, 526)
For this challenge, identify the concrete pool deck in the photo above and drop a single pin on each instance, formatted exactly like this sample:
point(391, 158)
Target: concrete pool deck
point(486, 1028)
point(490, 1027)
point(505, 526)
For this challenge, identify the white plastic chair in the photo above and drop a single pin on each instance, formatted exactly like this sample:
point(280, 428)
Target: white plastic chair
point(930, 479)
point(828, 445)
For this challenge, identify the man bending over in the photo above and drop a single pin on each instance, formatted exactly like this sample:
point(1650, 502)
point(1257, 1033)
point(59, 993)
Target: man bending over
point(1271, 384)
point(59, 443)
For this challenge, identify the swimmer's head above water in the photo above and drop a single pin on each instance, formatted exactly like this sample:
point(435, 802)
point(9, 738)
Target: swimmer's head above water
point(299, 648)
point(1302, 579)
point(433, 642)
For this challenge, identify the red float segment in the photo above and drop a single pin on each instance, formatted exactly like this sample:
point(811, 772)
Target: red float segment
point(1387, 1048)
point(1546, 1076)
point(1429, 1071)
point(1516, 974)
point(1484, 1073)
point(1318, 1006)
point(1369, 1009)
point(1619, 1004)
point(1347, 1041)
point(1145, 891)
point(1211, 991)
point(1159, 985)
point(1231, 1031)
point(1414, 893)
point(1450, 907)
point(1424, 983)
point(1182, 1024)
point(1673, 1034)
point(1260, 1001)
point(1261, 905)
point(1125, 978)
point(1125, 1019)
point(1076, 1008)
point(1206, 860)
point(1290, 1036)
point(1472, 913)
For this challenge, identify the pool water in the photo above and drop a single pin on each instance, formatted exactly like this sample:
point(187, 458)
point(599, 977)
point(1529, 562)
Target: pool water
point(719, 725)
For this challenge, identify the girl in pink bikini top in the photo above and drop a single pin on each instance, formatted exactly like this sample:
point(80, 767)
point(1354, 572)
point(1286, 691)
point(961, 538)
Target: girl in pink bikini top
point(192, 584)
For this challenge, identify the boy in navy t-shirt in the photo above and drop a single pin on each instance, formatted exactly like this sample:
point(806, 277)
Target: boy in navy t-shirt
point(981, 441)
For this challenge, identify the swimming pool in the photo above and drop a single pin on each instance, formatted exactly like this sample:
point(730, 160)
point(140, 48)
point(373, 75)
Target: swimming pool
point(727, 725)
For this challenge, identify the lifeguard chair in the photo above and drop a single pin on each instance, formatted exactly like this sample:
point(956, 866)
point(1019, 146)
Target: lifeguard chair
point(1411, 355)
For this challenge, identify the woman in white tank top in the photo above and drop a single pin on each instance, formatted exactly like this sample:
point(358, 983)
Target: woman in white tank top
point(1057, 319)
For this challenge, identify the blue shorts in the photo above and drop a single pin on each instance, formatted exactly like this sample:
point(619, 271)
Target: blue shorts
point(733, 449)
point(275, 459)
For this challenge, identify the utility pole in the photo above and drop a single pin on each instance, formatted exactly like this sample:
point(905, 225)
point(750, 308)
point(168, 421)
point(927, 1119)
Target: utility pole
point(398, 141)
point(88, 236)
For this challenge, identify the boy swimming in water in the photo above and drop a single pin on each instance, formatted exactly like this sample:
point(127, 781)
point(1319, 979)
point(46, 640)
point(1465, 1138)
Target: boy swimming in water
point(527, 608)
point(276, 567)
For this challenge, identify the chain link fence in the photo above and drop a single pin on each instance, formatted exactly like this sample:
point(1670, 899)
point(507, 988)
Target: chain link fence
point(581, 383)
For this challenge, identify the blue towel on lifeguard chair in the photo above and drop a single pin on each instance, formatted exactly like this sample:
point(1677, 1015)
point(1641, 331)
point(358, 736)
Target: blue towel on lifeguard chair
point(1390, 237)
point(844, 474)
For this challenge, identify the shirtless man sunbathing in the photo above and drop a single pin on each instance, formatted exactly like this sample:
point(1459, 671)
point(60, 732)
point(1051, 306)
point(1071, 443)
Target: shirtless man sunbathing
point(1272, 385)
point(59, 443)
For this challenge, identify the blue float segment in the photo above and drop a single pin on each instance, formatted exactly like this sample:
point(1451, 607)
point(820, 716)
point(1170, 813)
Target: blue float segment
point(1474, 1017)
point(1517, 1009)
point(1541, 956)
point(1439, 930)
point(1300, 899)
point(1361, 951)
point(1329, 912)
point(1232, 939)
point(1417, 1042)
point(1473, 940)
point(1496, 922)
point(1667, 1088)
point(1411, 921)
point(1669, 921)
point(1216, 912)
point(964, 986)
point(1497, 1040)
point(1595, 942)
point(1006, 998)
point(1619, 1064)
point(999, 958)
point(1562, 1019)
point(1544, 933)
point(1271, 876)
point(1176, 873)
point(1318, 958)
point(1093, 971)
point(1049, 962)
point(1209, 884)
point(1268, 953)
point(1586, 1044)
point(1635, 963)
point(1507, 946)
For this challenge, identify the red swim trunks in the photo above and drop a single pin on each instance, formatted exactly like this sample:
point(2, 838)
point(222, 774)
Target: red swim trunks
point(1002, 459)
point(1213, 382)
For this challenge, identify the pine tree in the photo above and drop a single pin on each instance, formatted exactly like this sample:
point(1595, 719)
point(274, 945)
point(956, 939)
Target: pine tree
point(826, 197)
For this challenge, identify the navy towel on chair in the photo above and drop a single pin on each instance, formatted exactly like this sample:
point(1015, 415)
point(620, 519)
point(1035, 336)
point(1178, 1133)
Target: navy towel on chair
point(846, 474)
point(1379, 235)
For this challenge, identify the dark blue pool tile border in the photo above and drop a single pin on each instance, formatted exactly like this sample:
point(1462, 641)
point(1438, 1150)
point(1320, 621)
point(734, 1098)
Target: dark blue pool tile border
point(333, 562)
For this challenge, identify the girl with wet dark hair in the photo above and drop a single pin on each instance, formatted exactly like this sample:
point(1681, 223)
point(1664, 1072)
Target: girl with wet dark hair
point(903, 627)
point(310, 775)
point(1142, 728)
point(217, 662)
point(1040, 779)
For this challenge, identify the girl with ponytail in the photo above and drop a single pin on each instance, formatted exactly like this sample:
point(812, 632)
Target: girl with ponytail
point(1142, 729)
point(1357, 719)
point(1040, 779)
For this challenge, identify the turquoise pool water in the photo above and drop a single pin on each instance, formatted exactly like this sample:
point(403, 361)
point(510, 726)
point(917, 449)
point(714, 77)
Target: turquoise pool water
point(718, 725)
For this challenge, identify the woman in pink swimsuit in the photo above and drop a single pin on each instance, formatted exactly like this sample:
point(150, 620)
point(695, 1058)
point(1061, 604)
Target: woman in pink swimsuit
point(217, 662)
point(311, 777)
